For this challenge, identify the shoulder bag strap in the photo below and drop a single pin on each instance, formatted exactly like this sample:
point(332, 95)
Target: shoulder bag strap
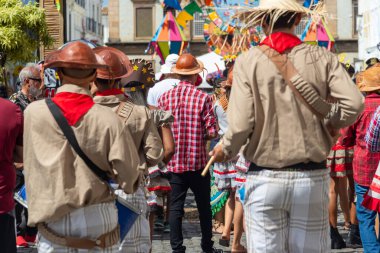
point(70, 135)
point(288, 71)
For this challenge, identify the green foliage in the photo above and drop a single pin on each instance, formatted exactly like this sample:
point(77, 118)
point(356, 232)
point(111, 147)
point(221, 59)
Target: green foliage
point(23, 29)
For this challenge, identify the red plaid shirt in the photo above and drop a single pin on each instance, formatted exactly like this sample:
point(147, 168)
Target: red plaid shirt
point(193, 119)
point(364, 163)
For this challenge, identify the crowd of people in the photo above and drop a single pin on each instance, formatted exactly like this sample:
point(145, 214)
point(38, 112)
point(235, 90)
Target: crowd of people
point(289, 132)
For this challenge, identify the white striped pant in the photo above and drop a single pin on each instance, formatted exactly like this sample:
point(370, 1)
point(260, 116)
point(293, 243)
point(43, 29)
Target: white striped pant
point(287, 211)
point(90, 221)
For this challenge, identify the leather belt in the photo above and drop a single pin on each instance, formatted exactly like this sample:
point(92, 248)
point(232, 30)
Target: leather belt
point(296, 167)
point(104, 241)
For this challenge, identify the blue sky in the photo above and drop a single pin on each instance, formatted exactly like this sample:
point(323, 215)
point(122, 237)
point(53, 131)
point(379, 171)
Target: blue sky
point(105, 3)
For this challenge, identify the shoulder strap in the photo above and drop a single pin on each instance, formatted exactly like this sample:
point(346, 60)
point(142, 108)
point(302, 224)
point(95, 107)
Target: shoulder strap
point(125, 109)
point(288, 71)
point(70, 135)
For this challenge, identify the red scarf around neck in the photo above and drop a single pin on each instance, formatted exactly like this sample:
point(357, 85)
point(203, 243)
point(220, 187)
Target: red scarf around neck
point(73, 105)
point(109, 92)
point(281, 41)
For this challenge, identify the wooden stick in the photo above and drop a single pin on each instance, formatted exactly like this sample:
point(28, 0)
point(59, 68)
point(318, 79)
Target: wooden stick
point(210, 162)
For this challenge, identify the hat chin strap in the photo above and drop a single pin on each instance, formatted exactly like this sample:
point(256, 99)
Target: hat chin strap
point(77, 81)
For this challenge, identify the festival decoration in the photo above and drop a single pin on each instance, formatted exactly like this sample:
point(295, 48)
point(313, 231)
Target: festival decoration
point(223, 34)
point(173, 3)
point(317, 33)
point(188, 13)
point(168, 39)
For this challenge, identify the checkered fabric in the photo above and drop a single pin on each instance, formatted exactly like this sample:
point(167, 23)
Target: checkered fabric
point(90, 221)
point(287, 211)
point(365, 162)
point(372, 136)
point(193, 119)
point(138, 238)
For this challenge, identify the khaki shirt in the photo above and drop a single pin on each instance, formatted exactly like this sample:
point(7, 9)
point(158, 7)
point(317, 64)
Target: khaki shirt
point(276, 127)
point(57, 180)
point(143, 130)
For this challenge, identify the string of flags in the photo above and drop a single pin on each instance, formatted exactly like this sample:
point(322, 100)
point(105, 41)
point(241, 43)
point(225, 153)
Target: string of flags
point(187, 13)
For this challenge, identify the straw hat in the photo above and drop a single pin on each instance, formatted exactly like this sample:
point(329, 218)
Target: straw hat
point(275, 8)
point(188, 65)
point(118, 63)
point(369, 80)
point(77, 55)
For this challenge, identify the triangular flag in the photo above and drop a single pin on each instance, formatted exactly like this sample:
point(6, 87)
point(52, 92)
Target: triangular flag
point(192, 8)
point(183, 17)
point(173, 3)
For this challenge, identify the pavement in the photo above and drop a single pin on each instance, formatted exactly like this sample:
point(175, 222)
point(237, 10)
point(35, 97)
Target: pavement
point(192, 234)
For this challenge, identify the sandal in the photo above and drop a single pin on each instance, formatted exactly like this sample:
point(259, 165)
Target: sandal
point(223, 241)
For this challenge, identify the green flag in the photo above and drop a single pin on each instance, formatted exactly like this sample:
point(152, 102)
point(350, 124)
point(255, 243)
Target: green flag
point(193, 7)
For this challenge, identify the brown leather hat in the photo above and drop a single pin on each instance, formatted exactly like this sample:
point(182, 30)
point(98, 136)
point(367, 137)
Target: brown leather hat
point(75, 55)
point(188, 65)
point(118, 63)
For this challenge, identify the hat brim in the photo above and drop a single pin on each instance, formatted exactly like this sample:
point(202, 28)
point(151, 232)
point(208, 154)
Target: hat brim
point(123, 57)
point(188, 72)
point(253, 16)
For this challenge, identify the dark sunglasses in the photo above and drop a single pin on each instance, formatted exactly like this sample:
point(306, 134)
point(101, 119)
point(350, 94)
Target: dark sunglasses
point(35, 79)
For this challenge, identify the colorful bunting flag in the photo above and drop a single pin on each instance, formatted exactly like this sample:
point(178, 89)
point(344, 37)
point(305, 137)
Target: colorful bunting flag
point(58, 4)
point(192, 7)
point(183, 17)
point(188, 13)
point(173, 3)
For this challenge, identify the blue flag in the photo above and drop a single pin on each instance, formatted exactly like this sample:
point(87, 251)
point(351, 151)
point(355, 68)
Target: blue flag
point(173, 3)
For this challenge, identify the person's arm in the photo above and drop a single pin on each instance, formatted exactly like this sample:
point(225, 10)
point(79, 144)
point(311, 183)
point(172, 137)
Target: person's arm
point(240, 114)
point(18, 150)
point(350, 102)
point(209, 119)
point(125, 160)
point(152, 144)
point(372, 136)
point(168, 142)
point(348, 136)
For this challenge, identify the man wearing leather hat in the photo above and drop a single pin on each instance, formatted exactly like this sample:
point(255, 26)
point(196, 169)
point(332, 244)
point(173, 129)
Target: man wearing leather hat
point(194, 123)
point(71, 206)
point(144, 132)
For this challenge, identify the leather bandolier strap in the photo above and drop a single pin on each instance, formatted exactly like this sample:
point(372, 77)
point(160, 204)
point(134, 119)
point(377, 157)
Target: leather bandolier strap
point(104, 241)
point(301, 89)
point(124, 110)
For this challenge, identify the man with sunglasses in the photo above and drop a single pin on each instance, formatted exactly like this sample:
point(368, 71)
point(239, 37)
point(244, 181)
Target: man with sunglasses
point(30, 91)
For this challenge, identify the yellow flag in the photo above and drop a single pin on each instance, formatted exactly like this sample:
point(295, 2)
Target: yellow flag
point(183, 17)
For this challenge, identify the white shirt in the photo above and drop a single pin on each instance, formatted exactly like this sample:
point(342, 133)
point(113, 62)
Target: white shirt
point(160, 88)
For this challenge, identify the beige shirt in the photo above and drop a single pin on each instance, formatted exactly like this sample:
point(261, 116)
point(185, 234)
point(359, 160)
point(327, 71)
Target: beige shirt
point(141, 125)
point(276, 127)
point(57, 179)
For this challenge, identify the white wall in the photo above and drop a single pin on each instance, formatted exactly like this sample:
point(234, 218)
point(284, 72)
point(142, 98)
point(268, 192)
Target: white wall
point(105, 29)
point(344, 19)
point(369, 32)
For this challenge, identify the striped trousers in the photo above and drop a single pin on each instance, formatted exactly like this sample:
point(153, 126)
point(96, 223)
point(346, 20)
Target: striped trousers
point(90, 221)
point(287, 212)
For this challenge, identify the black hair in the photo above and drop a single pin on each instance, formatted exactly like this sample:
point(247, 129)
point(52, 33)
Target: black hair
point(286, 20)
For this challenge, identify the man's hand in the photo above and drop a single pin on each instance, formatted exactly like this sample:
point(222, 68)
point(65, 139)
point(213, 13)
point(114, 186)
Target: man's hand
point(19, 166)
point(218, 153)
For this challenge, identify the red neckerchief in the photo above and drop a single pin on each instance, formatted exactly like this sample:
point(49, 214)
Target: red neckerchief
point(109, 92)
point(73, 105)
point(281, 41)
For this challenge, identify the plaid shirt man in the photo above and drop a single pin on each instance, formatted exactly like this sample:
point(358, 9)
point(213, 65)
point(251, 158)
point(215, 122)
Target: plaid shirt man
point(373, 133)
point(194, 120)
point(364, 163)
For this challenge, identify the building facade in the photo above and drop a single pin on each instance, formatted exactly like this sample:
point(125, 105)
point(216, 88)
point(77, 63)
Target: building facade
point(84, 20)
point(369, 29)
